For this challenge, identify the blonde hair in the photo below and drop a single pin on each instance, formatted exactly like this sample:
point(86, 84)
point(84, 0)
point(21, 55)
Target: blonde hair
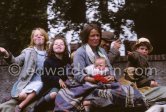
point(32, 44)
point(100, 58)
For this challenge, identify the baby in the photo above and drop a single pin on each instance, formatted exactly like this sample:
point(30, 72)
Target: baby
point(99, 70)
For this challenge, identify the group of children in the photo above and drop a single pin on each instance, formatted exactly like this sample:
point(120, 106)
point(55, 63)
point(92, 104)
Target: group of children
point(99, 70)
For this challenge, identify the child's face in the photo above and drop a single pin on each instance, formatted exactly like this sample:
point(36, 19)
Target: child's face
point(100, 64)
point(143, 50)
point(59, 46)
point(38, 38)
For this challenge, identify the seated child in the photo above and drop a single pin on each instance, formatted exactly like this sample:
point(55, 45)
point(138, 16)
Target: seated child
point(99, 70)
point(138, 59)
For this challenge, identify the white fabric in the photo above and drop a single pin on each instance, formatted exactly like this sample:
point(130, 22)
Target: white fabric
point(157, 108)
point(92, 56)
point(91, 70)
point(33, 86)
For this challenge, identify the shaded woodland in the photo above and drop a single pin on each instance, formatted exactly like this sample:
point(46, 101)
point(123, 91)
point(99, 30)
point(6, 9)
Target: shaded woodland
point(19, 17)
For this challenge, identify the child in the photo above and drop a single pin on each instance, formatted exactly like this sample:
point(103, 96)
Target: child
point(32, 58)
point(138, 59)
point(57, 61)
point(99, 71)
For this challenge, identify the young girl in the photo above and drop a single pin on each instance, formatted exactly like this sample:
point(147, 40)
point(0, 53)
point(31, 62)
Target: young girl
point(54, 73)
point(31, 60)
point(138, 59)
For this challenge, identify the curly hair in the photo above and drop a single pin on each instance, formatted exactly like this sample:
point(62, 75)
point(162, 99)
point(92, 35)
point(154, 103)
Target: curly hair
point(51, 52)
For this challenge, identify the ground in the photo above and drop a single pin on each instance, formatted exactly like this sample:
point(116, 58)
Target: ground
point(7, 80)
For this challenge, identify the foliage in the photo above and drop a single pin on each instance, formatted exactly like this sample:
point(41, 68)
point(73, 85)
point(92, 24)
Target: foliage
point(17, 19)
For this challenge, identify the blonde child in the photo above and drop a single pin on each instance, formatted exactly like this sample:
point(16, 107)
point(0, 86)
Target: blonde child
point(31, 60)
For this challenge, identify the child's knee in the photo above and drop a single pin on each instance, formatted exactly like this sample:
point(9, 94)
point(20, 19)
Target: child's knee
point(22, 96)
point(53, 95)
point(86, 103)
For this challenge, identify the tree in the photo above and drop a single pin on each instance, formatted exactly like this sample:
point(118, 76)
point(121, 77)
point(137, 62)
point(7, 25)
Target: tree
point(148, 17)
point(17, 19)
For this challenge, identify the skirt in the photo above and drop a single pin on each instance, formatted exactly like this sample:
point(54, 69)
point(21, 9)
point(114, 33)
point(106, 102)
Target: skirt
point(35, 86)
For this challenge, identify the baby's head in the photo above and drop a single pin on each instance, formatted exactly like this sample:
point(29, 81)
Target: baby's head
point(100, 63)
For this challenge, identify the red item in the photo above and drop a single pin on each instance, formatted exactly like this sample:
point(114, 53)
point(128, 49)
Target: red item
point(100, 78)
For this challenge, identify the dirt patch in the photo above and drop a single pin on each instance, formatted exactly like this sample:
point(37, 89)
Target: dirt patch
point(6, 81)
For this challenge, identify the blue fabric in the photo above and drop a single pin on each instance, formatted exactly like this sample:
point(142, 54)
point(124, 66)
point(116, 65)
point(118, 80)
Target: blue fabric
point(71, 99)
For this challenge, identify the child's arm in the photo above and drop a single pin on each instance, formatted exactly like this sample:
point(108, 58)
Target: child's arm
point(90, 79)
point(11, 59)
point(4, 52)
point(88, 71)
point(146, 82)
point(132, 56)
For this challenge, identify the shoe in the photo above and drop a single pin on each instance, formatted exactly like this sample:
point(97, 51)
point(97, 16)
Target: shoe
point(17, 109)
point(30, 110)
point(39, 106)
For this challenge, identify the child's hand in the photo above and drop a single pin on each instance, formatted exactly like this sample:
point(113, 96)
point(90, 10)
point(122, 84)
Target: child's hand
point(4, 52)
point(129, 53)
point(62, 84)
point(154, 84)
point(110, 78)
point(90, 79)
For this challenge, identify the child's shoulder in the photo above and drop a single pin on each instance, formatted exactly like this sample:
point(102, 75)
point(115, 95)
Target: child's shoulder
point(90, 67)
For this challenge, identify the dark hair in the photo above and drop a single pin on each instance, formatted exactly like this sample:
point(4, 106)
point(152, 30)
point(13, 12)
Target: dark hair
point(51, 51)
point(84, 35)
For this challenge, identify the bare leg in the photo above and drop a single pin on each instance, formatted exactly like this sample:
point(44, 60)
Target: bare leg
point(27, 100)
point(87, 106)
point(53, 95)
point(22, 96)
